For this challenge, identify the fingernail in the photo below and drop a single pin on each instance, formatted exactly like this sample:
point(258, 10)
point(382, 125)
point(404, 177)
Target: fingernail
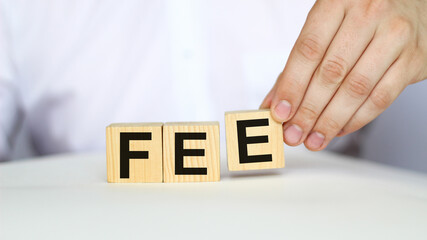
point(315, 140)
point(293, 134)
point(283, 110)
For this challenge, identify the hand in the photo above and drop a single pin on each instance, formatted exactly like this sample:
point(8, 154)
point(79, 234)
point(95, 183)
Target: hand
point(350, 62)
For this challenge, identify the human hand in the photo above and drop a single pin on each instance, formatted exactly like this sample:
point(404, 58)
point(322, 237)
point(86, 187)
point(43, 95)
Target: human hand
point(350, 62)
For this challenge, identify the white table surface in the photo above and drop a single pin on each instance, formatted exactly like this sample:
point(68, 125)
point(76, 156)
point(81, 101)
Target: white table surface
point(317, 196)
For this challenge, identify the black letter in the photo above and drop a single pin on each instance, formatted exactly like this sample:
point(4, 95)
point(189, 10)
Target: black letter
point(126, 155)
point(244, 140)
point(180, 152)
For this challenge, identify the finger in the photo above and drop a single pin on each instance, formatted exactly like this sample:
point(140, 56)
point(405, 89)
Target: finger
point(370, 68)
point(319, 29)
point(266, 103)
point(384, 93)
point(346, 48)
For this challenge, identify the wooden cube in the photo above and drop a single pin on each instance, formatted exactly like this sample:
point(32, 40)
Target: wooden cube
point(254, 140)
point(134, 152)
point(191, 152)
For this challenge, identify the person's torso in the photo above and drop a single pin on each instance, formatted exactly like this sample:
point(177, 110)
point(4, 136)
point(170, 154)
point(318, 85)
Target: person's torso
point(85, 64)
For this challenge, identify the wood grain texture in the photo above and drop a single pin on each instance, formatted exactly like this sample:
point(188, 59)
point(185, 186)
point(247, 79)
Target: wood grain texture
point(274, 146)
point(210, 160)
point(140, 170)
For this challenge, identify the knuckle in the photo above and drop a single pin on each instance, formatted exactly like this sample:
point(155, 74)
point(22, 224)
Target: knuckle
point(295, 86)
point(310, 48)
point(330, 125)
point(358, 85)
point(289, 87)
point(400, 28)
point(376, 7)
point(308, 113)
point(332, 71)
point(381, 99)
point(370, 10)
point(366, 11)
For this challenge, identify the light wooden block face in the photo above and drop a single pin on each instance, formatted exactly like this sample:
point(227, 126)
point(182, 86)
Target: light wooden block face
point(254, 140)
point(134, 152)
point(191, 152)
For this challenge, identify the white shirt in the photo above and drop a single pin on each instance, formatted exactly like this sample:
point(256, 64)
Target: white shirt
point(70, 68)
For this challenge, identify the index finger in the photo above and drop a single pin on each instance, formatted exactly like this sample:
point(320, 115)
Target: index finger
point(321, 25)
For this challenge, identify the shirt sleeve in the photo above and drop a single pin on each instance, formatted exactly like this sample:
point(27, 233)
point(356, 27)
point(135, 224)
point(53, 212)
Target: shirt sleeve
point(10, 110)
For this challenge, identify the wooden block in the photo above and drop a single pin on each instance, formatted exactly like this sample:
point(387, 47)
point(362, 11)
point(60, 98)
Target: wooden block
point(254, 140)
point(191, 152)
point(134, 152)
